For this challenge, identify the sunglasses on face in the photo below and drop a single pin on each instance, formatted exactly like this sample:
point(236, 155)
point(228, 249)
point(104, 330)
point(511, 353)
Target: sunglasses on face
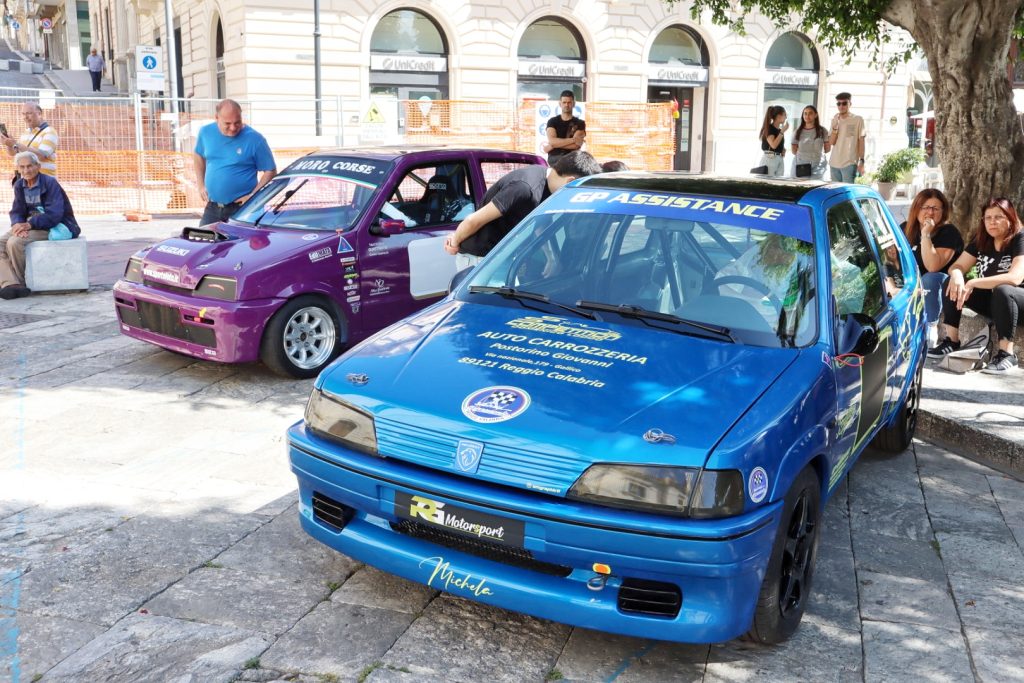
point(843, 103)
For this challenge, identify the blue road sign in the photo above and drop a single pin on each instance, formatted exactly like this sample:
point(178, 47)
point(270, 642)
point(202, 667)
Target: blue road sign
point(149, 61)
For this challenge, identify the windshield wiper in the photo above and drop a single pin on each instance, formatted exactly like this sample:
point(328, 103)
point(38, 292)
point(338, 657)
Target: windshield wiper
point(277, 209)
point(644, 315)
point(522, 295)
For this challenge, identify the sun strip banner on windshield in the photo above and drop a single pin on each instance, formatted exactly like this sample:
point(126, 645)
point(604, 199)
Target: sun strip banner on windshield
point(367, 172)
point(785, 219)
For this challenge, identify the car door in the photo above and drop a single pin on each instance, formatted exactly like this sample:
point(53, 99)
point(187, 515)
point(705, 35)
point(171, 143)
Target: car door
point(403, 264)
point(859, 302)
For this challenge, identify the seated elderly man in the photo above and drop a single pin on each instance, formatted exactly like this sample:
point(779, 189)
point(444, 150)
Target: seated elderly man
point(41, 210)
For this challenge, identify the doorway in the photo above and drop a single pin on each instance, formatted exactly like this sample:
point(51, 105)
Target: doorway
point(682, 156)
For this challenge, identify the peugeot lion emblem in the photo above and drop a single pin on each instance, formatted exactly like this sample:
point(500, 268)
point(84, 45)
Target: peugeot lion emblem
point(467, 455)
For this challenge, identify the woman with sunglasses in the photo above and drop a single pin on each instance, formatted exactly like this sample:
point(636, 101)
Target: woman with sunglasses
point(936, 244)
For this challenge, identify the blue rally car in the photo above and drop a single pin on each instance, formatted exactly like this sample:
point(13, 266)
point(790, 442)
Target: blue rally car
point(630, 415)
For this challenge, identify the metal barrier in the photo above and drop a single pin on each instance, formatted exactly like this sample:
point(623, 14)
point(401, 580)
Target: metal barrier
point(134, 154)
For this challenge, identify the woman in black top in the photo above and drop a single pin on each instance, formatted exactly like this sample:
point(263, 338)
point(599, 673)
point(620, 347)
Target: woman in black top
point(937, 244)
point(996, 292)
point(773, 136)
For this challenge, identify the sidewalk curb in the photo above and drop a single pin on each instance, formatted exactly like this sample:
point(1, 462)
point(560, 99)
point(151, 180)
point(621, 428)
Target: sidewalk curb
point(973, 443)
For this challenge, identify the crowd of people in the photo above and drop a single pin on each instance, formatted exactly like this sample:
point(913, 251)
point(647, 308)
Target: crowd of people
point(844, 143)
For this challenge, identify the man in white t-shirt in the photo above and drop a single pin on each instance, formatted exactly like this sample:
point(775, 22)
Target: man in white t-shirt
point(847, 141)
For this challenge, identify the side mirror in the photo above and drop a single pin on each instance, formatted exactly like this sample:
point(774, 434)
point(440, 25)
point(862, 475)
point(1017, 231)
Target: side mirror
point(458, 278)
point(388, 227)
point(859, 334)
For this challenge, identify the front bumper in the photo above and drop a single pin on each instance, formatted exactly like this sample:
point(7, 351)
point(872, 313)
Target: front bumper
point(717, 565)
point(224, 331)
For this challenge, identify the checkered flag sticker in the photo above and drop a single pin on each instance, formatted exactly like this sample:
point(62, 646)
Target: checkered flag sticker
point(499, 399)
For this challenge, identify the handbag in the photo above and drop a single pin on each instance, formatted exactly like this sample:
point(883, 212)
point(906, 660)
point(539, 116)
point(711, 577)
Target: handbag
point(970, 356)
point(60, 232)
point(802, 170)
point(43, 127)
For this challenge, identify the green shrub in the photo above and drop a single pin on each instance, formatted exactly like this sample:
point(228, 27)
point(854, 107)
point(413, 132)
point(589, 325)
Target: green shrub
point(897, 164)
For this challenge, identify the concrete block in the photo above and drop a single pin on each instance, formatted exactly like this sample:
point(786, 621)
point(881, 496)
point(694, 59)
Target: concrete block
point(57, 265)
point(25, 67)
point(5, 65)
point(37, 67)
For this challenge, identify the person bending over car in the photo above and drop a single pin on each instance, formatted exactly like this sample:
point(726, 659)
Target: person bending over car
point(508, 201)
point(998, 252)
point(41, 211)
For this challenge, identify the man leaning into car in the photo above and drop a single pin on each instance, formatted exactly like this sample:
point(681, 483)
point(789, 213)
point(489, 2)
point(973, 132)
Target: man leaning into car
point(228, 157)
point(508, 201)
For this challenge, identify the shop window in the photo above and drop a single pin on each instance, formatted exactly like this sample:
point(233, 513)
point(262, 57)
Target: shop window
point(551, 38)
point(675, 45)
point(792, 51)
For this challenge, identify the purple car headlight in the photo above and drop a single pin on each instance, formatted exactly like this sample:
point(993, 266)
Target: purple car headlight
point(680, 491)
point(133, 271)
point(336, 420)
point(217, 287)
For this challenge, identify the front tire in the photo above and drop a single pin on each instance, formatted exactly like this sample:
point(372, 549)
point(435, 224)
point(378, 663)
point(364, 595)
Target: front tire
point(896, 436)
point(786, 588)
point(301, 338)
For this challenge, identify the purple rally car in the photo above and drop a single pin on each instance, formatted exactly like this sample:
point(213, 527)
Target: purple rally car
point(339, 245)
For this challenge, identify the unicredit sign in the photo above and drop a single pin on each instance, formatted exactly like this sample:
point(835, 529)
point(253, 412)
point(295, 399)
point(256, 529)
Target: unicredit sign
point(678, 74)
point(407, 63)
point(553, 69)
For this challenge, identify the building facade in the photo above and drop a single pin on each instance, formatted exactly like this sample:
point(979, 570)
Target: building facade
point(506, 51)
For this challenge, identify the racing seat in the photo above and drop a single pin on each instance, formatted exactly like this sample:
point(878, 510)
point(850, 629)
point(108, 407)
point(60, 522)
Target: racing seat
point(441, 200)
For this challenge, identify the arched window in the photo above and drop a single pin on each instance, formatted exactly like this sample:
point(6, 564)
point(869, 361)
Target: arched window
point(407, 31)
point(220, 78)
point(409, 57)
point(552, 58)
point(792, 51)
point(677, 45)
point(791, 78)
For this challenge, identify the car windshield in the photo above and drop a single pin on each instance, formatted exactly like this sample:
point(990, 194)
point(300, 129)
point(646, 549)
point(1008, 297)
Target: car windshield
point(319, 202)
point(755, 284)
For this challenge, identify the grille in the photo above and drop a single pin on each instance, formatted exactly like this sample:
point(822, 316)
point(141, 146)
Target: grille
point(638, 596)
point(331, 512)
point(166, 320)
point(516, 557)
point(163, 286)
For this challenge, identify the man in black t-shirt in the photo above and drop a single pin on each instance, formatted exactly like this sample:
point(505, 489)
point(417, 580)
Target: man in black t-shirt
point(508, 201)
point(566, 132)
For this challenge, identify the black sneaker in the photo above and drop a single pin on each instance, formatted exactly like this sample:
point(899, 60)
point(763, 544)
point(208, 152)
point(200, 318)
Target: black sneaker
point(14, 291)
point(945, 346)
point(1003, 362)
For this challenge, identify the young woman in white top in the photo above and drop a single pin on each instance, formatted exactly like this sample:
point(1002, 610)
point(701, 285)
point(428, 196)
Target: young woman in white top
point(810, 143)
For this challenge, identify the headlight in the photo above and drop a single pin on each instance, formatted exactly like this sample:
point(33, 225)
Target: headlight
point(338, 421)
point(680, 491)
point(133, 271)
point(216, 287)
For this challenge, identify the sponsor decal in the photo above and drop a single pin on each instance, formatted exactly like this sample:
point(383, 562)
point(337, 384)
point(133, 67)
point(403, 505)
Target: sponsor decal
point(559, 347)
point(495, 404)
point(467, 455)
point(447, 578)
point(464, 521)
point(344, 247)
point(310, 236)
point(568, 328)
point(352, 297)
point(210, 352)
point(757, 484)
point(320, 254)
point(379, 287)
point(154, 274)
point(177, 251)
point(203, 266)
point(543, 489)
point(355, 306)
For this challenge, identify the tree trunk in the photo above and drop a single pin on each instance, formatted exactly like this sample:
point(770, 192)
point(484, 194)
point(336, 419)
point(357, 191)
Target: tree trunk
point(978, 134)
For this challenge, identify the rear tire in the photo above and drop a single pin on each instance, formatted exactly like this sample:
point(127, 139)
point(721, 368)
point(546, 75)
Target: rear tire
point(786, 588)
point(896, 437)
point(302, 338)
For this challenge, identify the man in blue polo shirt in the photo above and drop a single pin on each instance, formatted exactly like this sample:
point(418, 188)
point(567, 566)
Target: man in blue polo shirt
point(228, 157)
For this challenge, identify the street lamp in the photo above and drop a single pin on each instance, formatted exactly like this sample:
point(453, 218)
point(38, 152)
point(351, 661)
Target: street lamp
point(316, 67)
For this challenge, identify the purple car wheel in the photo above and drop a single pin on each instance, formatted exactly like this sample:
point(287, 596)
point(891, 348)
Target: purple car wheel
point(301, 338)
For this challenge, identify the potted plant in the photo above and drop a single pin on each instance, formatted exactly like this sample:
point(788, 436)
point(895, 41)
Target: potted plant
point(896, 167)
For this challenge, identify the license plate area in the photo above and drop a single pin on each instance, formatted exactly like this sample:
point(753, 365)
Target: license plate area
point(458, 520)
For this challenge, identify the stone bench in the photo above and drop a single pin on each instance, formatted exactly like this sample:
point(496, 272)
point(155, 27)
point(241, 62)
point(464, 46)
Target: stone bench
point(56, 266)
point(971, 325)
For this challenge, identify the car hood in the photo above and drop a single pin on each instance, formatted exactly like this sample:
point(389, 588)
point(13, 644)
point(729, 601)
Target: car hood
point(592, 390)
point(229, 250)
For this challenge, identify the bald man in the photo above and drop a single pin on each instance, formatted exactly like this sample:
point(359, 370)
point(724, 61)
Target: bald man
point(228, 157)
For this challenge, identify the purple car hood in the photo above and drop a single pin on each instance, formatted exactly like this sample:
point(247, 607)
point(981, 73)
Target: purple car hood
point(236, 251)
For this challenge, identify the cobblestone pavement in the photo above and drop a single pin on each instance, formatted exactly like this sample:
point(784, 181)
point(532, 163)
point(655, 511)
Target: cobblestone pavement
point(148, 532)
